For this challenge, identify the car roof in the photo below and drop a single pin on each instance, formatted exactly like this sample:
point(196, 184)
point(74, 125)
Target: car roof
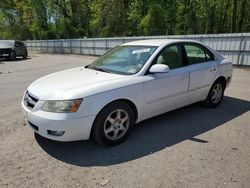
point(156, 42)
point(160, 42)
point(11, 41)
point(8, 40)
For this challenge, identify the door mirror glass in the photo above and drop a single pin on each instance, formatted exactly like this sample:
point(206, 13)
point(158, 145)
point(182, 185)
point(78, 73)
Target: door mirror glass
point(159, 68)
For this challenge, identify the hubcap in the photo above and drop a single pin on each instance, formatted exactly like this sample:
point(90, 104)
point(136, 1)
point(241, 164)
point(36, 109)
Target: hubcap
point(216, 93)
point(116, 124)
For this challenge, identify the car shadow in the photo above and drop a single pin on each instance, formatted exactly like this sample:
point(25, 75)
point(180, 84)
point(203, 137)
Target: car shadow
point(4, 60)
point(149, 136)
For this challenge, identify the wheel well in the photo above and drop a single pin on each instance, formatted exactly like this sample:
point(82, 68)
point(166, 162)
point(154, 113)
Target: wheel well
point(223, 80)
point(130, 103)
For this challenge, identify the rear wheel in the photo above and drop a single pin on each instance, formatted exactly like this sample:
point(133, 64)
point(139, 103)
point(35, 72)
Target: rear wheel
point(12, 55)
point(113, 124)
point(215, 94)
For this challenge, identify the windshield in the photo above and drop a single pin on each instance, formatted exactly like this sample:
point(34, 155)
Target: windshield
point(125, 60)
point(6, 43)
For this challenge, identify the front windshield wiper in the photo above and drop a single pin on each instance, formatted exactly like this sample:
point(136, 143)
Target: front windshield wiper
point(103, 70)
point(97, 68)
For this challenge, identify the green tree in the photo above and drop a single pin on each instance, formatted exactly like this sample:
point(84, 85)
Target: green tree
point(48, 19)
point(154, 22)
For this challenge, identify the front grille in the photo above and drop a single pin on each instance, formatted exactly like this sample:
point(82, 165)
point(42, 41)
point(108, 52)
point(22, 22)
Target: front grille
point(29, 101)
point(4, 51)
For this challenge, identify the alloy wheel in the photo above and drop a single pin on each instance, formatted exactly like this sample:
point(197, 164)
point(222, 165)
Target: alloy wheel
point(217, 93)
point(116, 124)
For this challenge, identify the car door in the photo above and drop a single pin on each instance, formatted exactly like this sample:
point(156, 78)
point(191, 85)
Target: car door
point(202, 68)
point(19, 48)
point(166, 91)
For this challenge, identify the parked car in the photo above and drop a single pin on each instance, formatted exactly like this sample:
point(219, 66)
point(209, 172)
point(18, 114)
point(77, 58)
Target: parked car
point(11, 49)
point(132, 82)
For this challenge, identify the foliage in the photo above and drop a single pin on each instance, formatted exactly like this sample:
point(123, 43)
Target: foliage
point(48, 19)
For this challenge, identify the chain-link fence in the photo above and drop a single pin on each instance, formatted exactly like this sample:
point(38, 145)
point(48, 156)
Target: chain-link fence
point(234, 46)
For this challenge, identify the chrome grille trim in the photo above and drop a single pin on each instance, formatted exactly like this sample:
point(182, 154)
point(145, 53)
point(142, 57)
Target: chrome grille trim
point(29, 101)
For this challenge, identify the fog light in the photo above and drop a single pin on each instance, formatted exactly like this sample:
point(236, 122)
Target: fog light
point(56, 133)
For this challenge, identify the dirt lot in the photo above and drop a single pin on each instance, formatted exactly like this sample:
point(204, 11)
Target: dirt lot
point(190, 147)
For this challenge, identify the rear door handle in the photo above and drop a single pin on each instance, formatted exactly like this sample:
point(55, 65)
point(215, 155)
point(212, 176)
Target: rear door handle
point(212, 69)
point(184, 76)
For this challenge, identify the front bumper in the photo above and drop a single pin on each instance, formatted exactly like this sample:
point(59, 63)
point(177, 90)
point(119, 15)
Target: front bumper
point(4, 55)
point(43, 123)
point(4, 52)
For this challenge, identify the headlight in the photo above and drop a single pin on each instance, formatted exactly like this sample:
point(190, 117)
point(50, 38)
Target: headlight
point(62, 106)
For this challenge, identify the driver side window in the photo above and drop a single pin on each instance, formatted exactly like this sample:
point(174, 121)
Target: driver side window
point(171, 56)
point(18, 44)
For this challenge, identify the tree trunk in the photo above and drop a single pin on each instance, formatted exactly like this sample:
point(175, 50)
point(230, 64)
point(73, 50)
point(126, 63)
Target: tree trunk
point(242, 15)
point(234, 17)
point(223, 23)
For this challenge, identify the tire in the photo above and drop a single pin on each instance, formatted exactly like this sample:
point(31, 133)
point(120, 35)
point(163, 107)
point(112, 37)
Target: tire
point(25, 55)
point(215, 94)
point(12, 55)
point(113, 124)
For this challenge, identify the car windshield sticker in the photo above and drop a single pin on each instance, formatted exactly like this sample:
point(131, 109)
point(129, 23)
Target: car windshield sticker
point(141, 50)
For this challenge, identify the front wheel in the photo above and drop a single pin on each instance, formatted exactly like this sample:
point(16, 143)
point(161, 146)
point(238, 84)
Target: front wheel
point(113, 124)
point(215, 94)
point(12, 55)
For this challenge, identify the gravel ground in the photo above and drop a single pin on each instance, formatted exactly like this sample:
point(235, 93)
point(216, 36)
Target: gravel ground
point(190, 147)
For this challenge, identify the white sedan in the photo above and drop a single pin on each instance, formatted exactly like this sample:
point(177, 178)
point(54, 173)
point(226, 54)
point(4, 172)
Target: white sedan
point(132, 82)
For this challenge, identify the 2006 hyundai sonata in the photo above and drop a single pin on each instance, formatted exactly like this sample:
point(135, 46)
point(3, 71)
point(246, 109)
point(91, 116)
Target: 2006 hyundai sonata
point(130, 83)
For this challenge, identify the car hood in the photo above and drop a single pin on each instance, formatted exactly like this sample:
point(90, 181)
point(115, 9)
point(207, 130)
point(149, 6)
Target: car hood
point(5, 46)
point(73, 83)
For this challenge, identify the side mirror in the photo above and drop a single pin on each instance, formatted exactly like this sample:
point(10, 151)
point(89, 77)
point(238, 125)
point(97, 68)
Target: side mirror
point(159, 68)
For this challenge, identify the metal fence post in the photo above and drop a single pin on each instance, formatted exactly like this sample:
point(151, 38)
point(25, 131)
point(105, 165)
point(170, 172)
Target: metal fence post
point(240, 48)
point(70, 47)
point(62, 50)
point(54, 46)
point(81, 46)
point(106, 45)
point(244, 45)
point(93, 47)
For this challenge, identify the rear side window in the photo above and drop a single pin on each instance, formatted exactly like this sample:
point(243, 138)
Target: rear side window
point(209, 56)
point(195, 54)
point(19, 44)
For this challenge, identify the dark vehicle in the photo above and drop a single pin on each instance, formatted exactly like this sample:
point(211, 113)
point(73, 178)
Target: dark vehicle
point(11, 49)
